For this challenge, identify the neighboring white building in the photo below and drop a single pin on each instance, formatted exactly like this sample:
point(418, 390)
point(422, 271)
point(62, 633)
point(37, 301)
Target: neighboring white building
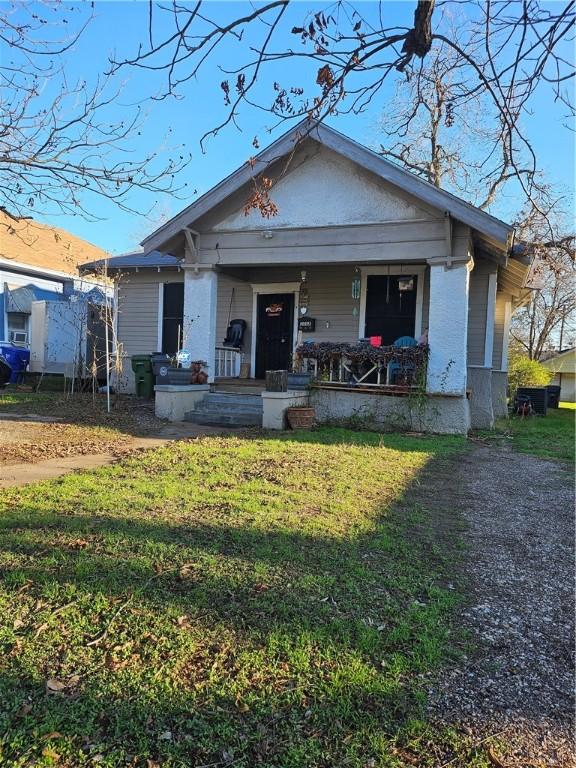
point(38, 270)
point(563, 365)
point(359, 248)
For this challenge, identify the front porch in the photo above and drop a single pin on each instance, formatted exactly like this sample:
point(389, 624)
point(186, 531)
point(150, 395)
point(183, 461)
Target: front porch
point(361, 326)
point(358, 333)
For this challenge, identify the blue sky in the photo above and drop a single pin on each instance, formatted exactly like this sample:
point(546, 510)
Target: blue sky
point(120, 26)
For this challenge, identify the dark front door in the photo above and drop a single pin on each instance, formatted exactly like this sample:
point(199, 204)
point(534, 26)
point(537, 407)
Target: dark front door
point(390, 311)
point(274, 328)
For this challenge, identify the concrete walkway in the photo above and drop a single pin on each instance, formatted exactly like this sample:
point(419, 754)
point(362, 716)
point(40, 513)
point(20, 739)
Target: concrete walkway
point(12, 475)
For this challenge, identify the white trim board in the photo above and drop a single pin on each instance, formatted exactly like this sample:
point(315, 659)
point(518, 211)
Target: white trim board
point(264, 288)
point(394, 269)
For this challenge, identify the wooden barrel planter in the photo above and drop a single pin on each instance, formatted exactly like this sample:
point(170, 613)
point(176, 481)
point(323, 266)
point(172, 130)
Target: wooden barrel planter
point(300, 417)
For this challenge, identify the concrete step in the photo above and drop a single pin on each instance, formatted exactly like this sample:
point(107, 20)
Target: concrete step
point(219, 419)
point(237, 390)
point(221, 398)
point(227, 410)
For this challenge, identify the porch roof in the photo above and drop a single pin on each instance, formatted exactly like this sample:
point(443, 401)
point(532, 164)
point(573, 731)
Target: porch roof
point(488, 227)
point(129, 261)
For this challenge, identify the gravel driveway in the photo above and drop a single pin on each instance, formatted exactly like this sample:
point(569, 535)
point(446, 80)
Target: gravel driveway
point(518, 569)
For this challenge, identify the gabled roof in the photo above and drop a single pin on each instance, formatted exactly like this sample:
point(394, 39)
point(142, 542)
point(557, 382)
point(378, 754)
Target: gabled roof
point(28, 242)
point(137, 260)
point(494, 230)
point(563, 362)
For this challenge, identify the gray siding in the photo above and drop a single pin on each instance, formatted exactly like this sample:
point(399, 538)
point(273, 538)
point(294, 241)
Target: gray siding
point(138, 309)
point(477, 305)
point(499, 317)
point(330, 303)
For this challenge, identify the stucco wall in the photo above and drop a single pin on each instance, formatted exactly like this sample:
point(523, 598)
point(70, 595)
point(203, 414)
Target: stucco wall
point(481, 407)
point(499, 394)
point(328, 189)
point(442, 415)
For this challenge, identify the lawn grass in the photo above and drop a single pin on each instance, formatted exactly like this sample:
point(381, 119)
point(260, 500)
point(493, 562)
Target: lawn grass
point(550, 436)
point(242, 600)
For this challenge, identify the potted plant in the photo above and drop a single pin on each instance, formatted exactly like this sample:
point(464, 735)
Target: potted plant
point(301, 417)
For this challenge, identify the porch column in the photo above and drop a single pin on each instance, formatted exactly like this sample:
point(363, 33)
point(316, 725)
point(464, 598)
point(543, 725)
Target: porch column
point(200, 296)
point(448, 326)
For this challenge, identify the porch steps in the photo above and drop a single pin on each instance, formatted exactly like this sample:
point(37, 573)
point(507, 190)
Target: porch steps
point(239, 386)
point(220, 409)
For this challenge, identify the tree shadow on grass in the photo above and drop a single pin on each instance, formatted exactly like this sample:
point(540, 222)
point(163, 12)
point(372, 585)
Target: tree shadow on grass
point(192, 643)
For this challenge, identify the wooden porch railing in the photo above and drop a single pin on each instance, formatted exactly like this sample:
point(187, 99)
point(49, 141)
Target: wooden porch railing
point(362, 365)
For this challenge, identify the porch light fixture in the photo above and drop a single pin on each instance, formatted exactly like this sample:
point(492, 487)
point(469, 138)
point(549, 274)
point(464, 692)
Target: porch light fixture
point(356, 288)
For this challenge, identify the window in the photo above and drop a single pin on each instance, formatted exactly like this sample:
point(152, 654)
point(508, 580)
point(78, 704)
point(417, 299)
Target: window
point(390, 306)
point(172, 317)
point(17, 327)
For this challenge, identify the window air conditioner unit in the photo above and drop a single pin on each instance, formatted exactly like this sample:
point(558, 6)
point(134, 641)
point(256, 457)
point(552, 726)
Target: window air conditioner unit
point(19, 337)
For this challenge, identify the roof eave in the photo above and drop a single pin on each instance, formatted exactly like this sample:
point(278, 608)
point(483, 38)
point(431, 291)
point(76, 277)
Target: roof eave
point(494, 230)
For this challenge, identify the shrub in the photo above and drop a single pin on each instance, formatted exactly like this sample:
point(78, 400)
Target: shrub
point(523, 372)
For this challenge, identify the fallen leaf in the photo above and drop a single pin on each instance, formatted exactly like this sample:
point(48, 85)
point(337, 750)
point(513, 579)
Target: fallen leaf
point(183, 621)
point(241, 706)
point(494, 759)
point(55, 686)
point(50, 753)
point(17, 624)
point(166, 736)
point(51, 735)
point(24, 710)
point(79, 544)
point(186, 571)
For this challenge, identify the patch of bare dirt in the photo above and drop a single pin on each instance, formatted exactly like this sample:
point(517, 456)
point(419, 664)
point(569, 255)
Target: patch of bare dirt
point(72, 426)
point(516, 682)
point(26, 441)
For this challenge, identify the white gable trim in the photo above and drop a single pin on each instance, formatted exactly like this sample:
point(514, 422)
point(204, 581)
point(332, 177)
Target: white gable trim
point(493, 229)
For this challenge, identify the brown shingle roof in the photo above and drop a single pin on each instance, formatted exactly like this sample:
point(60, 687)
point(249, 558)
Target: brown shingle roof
point(39, 245)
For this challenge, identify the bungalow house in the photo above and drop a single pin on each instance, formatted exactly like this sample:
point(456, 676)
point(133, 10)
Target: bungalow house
point(563, 366)
point(357, 248)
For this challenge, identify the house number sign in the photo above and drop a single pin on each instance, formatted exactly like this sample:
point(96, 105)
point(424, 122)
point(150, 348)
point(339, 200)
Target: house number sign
point(306, 324)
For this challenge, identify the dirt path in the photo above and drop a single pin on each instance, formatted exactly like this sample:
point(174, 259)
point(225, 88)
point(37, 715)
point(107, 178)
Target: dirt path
point(518, 570)
point(21, 473)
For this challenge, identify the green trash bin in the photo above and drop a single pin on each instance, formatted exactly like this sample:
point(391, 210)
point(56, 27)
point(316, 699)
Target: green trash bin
point(143, 375)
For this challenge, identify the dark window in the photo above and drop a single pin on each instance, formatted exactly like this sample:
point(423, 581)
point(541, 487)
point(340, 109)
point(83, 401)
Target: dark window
point(173, 317)
point(390, 312)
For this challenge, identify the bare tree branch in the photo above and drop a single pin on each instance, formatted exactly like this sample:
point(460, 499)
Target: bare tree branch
point(62, 142)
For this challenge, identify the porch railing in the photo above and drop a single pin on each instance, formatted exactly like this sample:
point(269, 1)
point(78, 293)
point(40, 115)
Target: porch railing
point(227, 363)
point(362, 365)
